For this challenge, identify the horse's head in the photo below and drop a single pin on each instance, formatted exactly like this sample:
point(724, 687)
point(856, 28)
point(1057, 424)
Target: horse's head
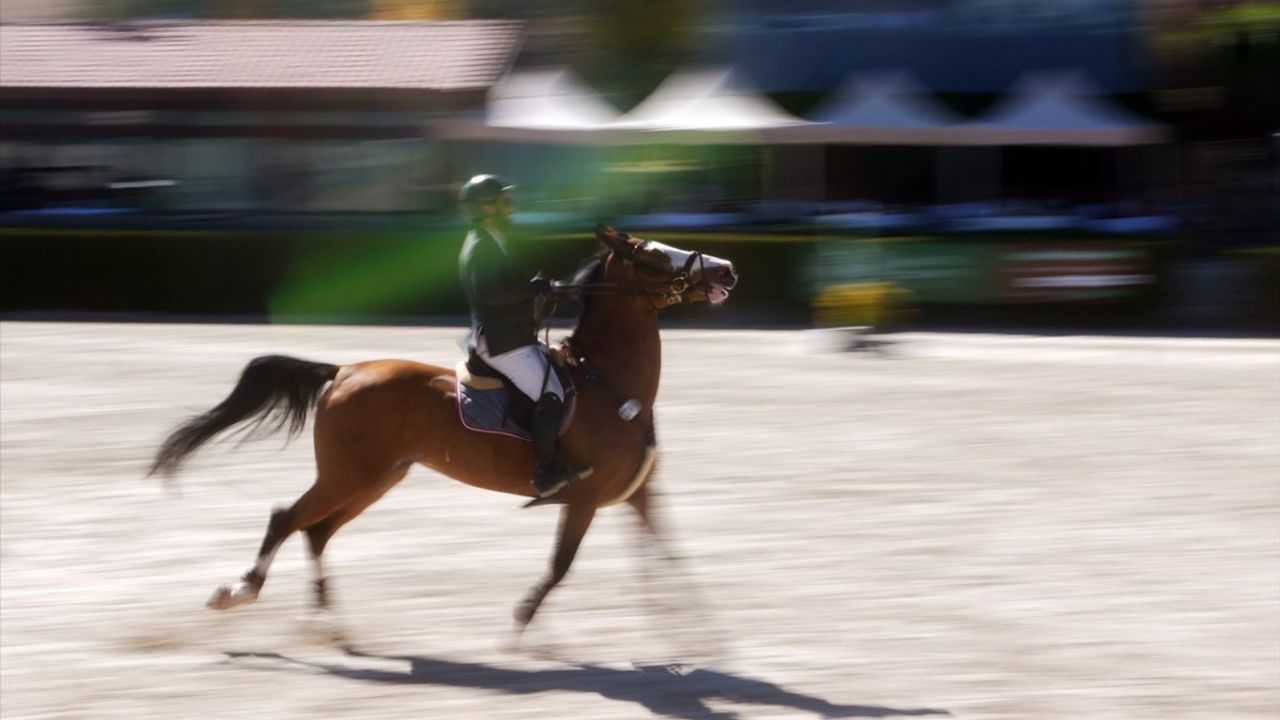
point(670, 275)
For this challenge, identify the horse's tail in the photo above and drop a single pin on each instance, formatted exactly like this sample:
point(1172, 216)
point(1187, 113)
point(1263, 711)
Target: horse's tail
point(272, 388)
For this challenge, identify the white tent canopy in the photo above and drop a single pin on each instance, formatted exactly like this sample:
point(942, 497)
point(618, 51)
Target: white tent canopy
point(720, 105)
point(712, 105)
point(552, 98)
point(1058, 109)
point(546, 105)
point(886, 108)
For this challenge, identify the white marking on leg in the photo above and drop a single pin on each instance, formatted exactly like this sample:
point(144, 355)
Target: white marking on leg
point(245, 591)
point(264, 561)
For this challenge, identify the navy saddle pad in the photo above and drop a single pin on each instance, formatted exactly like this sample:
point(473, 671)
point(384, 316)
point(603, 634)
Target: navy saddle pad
point(486, 404)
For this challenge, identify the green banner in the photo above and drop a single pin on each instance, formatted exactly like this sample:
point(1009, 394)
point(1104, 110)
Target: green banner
point(934, 271)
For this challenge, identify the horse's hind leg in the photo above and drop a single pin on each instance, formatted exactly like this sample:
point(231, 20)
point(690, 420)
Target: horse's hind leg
point(574, 522)
point(319, 534)
point(314, 504)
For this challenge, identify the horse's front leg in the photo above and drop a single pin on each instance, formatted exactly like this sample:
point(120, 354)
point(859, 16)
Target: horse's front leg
point(675, 603)
point(652, 547)
point(652, 536)
point(575, 519)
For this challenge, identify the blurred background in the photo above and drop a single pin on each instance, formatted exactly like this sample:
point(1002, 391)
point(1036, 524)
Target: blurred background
point(951, 163)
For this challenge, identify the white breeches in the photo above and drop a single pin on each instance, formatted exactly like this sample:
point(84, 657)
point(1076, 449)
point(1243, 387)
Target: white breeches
point(526, 367)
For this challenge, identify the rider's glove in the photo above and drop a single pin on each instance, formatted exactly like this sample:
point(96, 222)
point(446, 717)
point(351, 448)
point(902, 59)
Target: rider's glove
point(541, 285)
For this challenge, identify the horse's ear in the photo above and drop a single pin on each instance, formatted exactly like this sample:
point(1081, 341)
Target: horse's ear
point(612, 239)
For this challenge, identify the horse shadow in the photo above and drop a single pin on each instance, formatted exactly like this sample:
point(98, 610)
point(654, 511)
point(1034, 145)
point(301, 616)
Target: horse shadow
point(658, 689)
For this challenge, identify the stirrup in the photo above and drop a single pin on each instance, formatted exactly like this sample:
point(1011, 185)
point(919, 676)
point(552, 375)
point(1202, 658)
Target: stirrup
point(560, 484)
point(556, 493)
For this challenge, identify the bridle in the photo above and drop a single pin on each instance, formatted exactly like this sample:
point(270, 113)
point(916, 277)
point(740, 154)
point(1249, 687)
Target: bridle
point(661, 293)
point(671, 290)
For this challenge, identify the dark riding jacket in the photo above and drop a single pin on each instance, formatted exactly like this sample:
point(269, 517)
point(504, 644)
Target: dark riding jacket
point(499, 293)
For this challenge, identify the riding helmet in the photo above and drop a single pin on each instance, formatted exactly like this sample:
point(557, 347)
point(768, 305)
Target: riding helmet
point(481, 189)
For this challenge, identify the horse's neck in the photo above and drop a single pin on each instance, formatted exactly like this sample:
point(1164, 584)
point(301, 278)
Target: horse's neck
point(619, 337)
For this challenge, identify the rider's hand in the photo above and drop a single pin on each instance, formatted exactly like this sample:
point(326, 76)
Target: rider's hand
point(540, 285)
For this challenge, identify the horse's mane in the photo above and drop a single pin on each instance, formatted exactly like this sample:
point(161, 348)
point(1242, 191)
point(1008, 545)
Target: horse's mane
point(590, 268)
point(588, 272)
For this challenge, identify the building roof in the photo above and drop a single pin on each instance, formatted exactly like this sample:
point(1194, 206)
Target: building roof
point(432, 56)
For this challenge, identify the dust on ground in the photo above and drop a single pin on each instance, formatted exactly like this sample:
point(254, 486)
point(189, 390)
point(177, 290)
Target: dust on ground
point(981, 526)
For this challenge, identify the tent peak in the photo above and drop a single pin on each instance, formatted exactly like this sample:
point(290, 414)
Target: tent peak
point(714, 97)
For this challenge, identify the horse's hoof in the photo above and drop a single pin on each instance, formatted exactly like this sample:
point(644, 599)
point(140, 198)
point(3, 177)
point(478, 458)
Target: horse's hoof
point(679, 669)
point(523, 614)
point(221, 598)
point(512, 643)
point(227, 597)
point(326, 627)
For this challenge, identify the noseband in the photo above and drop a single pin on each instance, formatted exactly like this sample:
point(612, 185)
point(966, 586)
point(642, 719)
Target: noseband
point(672, 291)
point(661, 293)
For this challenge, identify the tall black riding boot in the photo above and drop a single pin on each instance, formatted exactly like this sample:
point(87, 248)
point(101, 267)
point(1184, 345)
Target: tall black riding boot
point(552, 474)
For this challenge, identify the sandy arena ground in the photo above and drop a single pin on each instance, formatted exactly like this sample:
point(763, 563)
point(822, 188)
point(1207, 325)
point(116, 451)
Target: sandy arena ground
point(980, 526)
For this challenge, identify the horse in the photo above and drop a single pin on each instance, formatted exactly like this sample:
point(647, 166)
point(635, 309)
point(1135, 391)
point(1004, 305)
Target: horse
point(373, 421)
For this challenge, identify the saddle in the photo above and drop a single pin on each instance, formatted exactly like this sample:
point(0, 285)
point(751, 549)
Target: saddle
point(488, 402)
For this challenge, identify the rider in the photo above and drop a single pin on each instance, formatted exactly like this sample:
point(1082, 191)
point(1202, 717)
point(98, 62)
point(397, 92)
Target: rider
point(504, 329)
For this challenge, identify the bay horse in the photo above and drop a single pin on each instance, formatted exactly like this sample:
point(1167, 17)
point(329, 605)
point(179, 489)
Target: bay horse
point(376, 420)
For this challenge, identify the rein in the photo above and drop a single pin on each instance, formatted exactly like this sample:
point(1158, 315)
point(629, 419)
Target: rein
point(672, 290)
